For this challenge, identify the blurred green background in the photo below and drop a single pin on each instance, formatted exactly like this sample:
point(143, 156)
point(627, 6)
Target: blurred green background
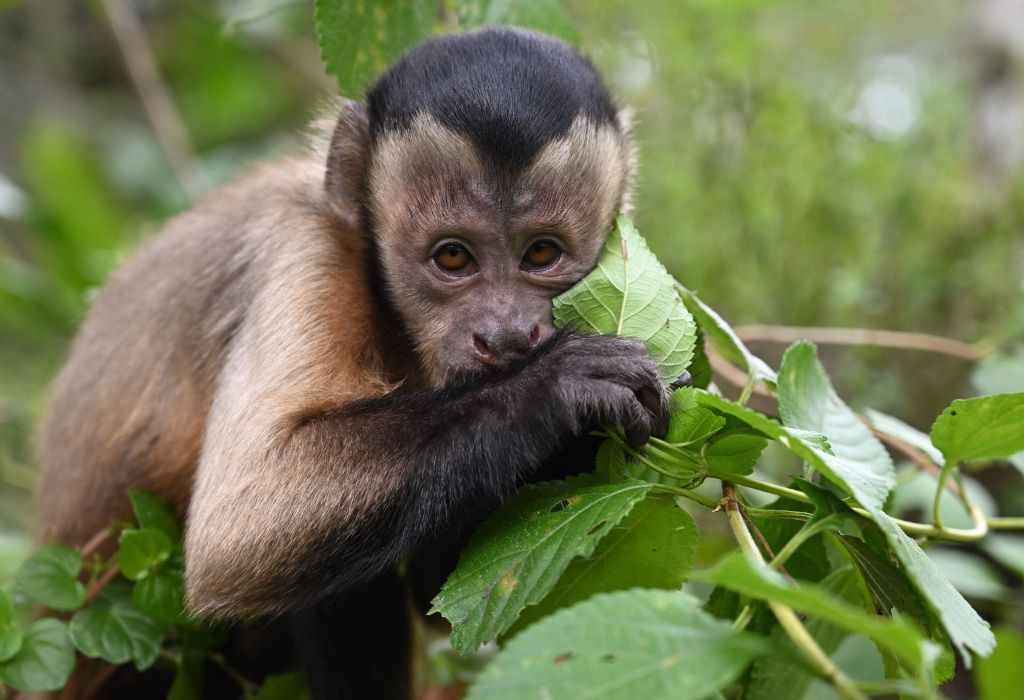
point(831, 163)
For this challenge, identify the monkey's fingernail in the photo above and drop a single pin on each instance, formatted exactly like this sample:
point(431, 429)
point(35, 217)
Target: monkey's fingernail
point(684, 380)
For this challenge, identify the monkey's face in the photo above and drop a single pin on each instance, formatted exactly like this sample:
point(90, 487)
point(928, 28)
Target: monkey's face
point(472, 254)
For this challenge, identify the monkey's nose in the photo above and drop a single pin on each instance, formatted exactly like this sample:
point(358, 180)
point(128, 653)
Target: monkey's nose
point(504, 344)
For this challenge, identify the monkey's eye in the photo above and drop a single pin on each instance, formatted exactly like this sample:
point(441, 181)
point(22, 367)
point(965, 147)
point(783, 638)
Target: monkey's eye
point(453, 257)
point(541, 254)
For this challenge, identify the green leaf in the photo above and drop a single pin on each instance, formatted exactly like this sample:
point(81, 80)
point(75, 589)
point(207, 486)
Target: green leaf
point(807, 401)
point(889, 587)
point(151, 512)
point(113, 629)
point(1008, 550)
point(161, 595)
point(45, 660)
point(284, 686)
point(360, 38)
point(517, 556)
point(547, 16)
point(690, 424)
point(10, 637)
point(970, 574)
point(966, 629)
point(630, 293)
point(142, 552)
point(1002, 373)
point(652, 547)
point(784, 675)
point(1001, 675)
point(986, 428)
point(724, 338)
point(735, 452)
point(610, 461)
point(632, 644)
point(188, 679)
point(864, 485)
point(898, 429)
point(50, 577)
point(742, 574)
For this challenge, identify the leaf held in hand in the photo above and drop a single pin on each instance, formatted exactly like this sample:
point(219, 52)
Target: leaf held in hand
point(630, 293)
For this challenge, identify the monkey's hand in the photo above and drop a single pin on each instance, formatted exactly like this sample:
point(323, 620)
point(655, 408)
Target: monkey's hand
point(601, 380)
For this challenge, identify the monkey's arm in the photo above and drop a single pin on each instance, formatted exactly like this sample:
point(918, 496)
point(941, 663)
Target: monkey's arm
point(302, 490)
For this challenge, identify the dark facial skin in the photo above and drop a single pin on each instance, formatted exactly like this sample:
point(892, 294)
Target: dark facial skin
point(477, 256)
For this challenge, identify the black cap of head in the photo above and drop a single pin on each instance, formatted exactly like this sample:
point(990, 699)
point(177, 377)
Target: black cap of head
point(510, 91)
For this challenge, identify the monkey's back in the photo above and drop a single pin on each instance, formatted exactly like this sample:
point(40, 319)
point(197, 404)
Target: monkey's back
point(129, 407)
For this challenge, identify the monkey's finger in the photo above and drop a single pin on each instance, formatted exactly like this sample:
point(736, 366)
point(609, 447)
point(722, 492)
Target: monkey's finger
point(655, 402)
point(685, 379)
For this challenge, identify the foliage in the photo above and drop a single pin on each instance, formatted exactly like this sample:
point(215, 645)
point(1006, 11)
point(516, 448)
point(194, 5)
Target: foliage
point(133, 612)
point(768, 184)
point(525, 569)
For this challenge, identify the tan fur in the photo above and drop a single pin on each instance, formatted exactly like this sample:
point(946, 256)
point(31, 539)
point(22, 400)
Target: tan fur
point(204, 360)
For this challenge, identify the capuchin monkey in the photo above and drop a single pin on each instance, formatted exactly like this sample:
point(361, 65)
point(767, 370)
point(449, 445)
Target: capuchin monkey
point(339, 364)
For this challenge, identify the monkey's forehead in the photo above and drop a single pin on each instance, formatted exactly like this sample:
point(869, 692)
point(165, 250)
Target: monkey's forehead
point(508, 90)
point(431, 172)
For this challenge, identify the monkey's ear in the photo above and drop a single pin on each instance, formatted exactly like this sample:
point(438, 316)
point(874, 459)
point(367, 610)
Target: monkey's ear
point(346, 162)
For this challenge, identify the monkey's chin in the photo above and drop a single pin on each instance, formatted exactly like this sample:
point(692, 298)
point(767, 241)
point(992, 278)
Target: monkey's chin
point(457, 372)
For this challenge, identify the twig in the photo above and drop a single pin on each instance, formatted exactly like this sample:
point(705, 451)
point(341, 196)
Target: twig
point(96, 541)
point(733, 374)
point(786, 616)
point(862, 336)
point(156, 97)
point(103, 581)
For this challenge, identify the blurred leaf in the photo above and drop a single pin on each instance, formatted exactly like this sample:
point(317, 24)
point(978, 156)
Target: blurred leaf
point(985, 428)
point(10, 637)
point(547, 16)
point(50, 577)
point(1000, 374)
point(1007, 549)
point(630, 293)
point(908, 434)
point(516, 557)
point(1001, 675)
point(151, 512)
point(361, 38)
point(284, 686)
point(45, 660)
point(143, 552)
point(652, 547)
point(161, 593)
point(188, 679)
point(626, 645)
point(113, 629)
point(969, 574)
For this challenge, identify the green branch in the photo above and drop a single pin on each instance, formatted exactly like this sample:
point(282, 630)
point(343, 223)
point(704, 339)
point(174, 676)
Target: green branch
point(786, 616)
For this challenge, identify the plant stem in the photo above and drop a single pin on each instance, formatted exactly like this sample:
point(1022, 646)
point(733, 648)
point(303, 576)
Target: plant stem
point(744, 618)
point(692, 495)
point(1006, 523)
point(786, 616)
point(100, 584)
